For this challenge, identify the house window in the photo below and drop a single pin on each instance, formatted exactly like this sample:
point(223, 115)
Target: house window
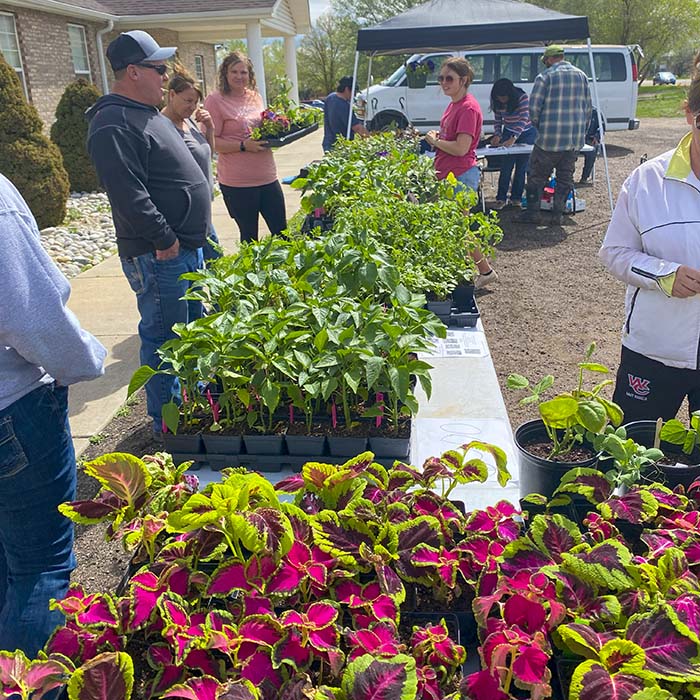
point(199, 72)
point(9, 45)
point(79, 51)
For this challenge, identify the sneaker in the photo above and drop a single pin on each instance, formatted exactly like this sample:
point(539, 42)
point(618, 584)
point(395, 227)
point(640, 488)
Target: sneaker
point(482, 281)
point(499, 204)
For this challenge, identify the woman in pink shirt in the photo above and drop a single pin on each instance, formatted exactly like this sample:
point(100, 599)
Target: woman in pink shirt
point(246, 169)
point(455, 144)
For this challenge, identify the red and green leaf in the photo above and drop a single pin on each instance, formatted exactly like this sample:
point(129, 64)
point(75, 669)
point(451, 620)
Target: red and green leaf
point(109, 676)
point(367, 678)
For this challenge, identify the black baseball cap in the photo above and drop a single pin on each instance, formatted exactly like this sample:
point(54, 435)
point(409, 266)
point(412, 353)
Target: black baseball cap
point(130, 48)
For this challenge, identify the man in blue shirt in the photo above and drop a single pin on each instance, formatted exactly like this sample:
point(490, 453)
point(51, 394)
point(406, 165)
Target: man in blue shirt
point(560, 109)
point(335, 115)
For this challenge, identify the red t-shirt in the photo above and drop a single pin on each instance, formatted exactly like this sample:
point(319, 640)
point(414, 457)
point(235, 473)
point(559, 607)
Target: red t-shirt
point(462, 117)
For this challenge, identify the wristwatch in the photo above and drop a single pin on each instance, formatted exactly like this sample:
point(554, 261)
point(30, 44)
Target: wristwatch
point(242, 146)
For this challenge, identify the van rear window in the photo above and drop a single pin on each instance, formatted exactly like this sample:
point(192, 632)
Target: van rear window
point(609, 67)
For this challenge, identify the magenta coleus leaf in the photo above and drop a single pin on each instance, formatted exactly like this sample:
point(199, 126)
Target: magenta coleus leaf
point(204, 688)
point(554, 535)
point(687, 607)
point(381, 639)
point(530, 665)
point(481, 685)
point(529, 615)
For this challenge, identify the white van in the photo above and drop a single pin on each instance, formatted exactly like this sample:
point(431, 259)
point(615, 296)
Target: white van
point(418, 99)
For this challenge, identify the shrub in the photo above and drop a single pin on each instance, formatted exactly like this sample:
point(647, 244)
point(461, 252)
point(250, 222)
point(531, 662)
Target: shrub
point(69, 133)
point(27, 157)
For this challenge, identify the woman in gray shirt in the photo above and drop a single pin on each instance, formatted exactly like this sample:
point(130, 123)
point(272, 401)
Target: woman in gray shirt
point(197, 129)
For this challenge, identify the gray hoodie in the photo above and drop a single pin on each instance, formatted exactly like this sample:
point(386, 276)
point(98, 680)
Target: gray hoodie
point(40, 338)
point(157, 191)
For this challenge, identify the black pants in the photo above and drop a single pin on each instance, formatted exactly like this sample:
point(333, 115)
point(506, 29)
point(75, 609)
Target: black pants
point(646, 389)
point(245, 204)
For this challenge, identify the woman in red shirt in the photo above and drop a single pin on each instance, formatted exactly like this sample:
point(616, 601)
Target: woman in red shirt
point(455, 144)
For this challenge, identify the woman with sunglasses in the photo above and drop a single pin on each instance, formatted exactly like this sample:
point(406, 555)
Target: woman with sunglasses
point(246, 169)
point(652, 244)
point(196, 127)
point(455, 144)
point(510, 107)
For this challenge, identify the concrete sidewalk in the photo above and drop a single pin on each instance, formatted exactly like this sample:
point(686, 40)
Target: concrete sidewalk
point(103, 301)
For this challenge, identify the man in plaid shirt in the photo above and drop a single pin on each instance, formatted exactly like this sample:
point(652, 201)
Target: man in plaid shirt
point(560, 108)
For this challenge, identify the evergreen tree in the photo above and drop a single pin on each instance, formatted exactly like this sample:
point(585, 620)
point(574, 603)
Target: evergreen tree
point(27, 157)
point(69, 133)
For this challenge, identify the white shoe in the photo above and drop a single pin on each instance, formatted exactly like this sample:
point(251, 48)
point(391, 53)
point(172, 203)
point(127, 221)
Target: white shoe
point(499, 204)
point(484, 280)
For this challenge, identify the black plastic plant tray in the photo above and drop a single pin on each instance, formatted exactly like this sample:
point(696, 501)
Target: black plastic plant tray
point(465, 319)
point(268, 463)
point(289, 138)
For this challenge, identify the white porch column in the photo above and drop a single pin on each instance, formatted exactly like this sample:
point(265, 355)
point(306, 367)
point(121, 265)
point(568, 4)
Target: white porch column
point(290, 63)
point(255, 53)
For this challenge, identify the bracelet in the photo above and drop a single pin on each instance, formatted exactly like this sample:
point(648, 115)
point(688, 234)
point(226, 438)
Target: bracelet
point(242, 146)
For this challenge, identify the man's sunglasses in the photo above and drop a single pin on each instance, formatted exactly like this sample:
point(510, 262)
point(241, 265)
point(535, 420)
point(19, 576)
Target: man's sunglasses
point(160, 68)
point(696, 118)
point(446, 78)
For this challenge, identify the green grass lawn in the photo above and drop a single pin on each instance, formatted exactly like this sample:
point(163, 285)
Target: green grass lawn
point(660, 101)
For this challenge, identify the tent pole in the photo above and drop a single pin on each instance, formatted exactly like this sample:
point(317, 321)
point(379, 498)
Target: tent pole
point(369, 78)
point(601, 132)
point(352, 95)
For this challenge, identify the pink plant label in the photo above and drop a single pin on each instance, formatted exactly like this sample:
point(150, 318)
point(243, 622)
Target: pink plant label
point(334, 416)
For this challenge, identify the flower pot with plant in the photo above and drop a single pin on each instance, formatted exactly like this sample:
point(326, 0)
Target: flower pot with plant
point(561, 438)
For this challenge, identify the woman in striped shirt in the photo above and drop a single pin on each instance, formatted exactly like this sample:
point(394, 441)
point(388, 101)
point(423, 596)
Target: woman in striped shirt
point(510, 107)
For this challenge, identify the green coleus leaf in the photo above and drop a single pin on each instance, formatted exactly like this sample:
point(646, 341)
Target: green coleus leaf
point(581, 639)
point(554, 534)
point(107, 676)
point(371, 678)
point(605, 565)
point(592, 681)
point(653, 693)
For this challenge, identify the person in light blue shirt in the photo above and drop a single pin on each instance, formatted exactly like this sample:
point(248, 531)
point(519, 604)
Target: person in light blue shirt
point(336, 110)
point(43, 350)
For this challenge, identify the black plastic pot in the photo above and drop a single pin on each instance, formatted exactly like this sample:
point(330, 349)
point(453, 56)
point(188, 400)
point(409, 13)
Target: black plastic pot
point(346, 446)
point(563, 671)
point(643, 432)
point(537, 474)
point(440, 308)
point(215, 444)
point(190, 444)
point(264, 444)
point(312, 445)
point(463, 297)
point(390, 447)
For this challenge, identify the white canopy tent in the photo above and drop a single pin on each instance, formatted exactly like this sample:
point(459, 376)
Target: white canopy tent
point(461, 25)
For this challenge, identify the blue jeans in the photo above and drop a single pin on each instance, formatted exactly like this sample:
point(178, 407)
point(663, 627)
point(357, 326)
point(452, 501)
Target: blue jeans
point(37, 472)
point(520, 163)
point(159, 291)
point(470, 178)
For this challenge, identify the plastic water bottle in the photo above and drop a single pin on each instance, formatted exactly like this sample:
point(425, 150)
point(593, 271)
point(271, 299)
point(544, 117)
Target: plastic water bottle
point(570, 202)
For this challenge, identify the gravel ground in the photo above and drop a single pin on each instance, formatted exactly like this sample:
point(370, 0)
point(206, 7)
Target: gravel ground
point(85, 238)
point(553, 299)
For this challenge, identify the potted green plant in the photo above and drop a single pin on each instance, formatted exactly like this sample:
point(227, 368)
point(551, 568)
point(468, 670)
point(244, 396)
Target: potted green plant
point(561, 438)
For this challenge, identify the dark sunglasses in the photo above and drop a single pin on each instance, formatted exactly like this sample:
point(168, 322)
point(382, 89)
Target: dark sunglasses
point(696, 118)
point(161, 69)
point(446, 78)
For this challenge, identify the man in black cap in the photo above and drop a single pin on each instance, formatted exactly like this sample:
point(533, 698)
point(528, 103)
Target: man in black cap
point(336, 110)
point(160, 198)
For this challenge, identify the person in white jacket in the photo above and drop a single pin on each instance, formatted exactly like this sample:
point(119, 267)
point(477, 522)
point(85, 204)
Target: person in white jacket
point(653, 244)
point(42, 351)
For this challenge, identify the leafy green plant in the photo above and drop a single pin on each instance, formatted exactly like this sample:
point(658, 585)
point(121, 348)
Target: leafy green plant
point(676, 433)
point(571, 415)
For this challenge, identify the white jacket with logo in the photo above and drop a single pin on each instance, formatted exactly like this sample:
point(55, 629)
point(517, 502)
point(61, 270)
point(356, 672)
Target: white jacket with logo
point(655, 228)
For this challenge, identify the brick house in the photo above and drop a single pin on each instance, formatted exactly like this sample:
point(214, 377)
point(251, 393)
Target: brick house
point(50, 43)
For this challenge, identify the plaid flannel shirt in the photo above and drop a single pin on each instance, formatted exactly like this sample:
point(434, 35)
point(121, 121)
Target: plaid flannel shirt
point(560, 107)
